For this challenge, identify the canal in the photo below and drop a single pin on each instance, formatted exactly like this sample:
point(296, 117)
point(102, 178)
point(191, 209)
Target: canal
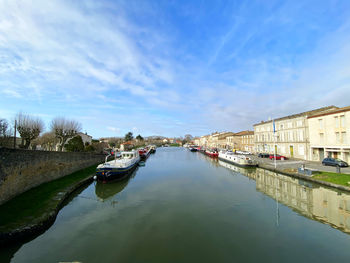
point(185, 207)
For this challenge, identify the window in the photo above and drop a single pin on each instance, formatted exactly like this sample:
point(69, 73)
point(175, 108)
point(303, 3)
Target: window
point(321, 137)
point(342, 121)
point(281, 126)
point(289, 125)
point(336, 119)
point(283, 149)
point(301, 149)
point(320, 123)
point(337, 137)
point(301, 135)
point(299, 123)
point(343, 137)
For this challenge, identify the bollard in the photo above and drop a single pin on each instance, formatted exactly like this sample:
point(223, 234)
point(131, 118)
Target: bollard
point(338, 169)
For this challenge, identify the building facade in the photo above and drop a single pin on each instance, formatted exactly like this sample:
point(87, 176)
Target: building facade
point(246, 141)
point(289, 135)
point(330, 134)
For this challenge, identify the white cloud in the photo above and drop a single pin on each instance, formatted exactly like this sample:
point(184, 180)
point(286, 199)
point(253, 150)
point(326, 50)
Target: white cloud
point(114, 129)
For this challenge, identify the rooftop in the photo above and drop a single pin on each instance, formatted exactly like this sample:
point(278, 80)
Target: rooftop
point(306, 113)
point(334, 111)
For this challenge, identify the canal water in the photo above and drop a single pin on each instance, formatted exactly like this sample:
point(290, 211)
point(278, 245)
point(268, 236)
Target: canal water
point(185, 207)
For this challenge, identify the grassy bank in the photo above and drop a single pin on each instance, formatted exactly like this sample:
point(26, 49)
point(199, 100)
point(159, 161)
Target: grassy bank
point(34, 205)
point(341, 179)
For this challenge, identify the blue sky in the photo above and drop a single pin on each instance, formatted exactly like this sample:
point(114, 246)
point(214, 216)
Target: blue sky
point(172, 67)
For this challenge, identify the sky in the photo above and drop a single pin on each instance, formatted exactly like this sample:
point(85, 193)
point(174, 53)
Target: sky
point(172, 67)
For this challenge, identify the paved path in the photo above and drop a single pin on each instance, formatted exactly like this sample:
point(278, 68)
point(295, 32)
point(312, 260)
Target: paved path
point(295, 164)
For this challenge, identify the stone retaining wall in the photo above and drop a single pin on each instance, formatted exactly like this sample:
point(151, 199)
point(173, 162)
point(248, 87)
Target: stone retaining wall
point(21, 170)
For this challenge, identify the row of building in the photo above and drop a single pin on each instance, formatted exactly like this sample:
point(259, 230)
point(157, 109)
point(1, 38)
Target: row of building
point(311, 135)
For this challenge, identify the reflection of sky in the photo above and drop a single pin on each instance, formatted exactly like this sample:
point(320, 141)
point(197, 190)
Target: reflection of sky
point(153, 66)
point(181, 208)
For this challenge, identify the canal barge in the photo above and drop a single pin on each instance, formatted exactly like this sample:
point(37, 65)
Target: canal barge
point(153, 148)
point(193, 149)
point(118, 168)
point(212, 153)
point(236, 159)
point(144, 153)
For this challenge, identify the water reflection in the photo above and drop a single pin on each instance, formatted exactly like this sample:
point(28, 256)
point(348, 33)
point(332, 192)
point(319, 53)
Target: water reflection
point(106, 191)
point(249, 172)
point(320, 203)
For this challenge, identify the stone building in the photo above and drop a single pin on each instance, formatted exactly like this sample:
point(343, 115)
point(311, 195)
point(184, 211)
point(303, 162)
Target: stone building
point(330, 134)
point(291, 137)
point(233, 142)
point(246, 141)
point(218, 140)
point(126, 146)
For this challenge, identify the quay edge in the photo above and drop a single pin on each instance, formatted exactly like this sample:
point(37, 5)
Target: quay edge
point(30, 231)
point(305, 178)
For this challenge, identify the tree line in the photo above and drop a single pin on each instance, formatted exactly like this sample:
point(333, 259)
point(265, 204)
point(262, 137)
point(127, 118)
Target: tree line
point(30, 128)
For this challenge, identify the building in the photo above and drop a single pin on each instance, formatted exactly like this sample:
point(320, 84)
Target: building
point(246, 141)
point(233, 142)
point(126, 146)
point(218, 140)
point(291, 136)
point(330, 134)
point(87, 139)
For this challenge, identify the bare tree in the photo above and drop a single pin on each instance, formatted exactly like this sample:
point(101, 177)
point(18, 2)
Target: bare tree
point(29, 128)
point(47, 141)
point(5, 133)
point(64, 129)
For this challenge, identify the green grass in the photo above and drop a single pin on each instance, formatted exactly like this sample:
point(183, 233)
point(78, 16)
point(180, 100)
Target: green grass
point(341, 179)
point(34, 205)
point(174, 145)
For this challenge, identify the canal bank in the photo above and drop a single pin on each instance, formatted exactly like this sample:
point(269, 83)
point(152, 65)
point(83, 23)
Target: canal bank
point(34, 211)
point(290, 168)
point(293, 172)
point(22, 170)
point(34, 219)
point(186, 207)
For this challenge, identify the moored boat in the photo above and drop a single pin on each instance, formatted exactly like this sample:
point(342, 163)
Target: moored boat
point(144, 152)
point(153, 148)
point(118, 168)
point(212, 153)
point(193, 148)
point(236, 159)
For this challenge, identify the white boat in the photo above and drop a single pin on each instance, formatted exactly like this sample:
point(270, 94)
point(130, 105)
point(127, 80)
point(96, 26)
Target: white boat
point(236, 159)
point(119, 167)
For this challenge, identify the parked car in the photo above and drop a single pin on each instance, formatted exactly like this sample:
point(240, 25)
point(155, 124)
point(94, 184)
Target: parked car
point(334, 162)
point(264, 155)
point(278, 157)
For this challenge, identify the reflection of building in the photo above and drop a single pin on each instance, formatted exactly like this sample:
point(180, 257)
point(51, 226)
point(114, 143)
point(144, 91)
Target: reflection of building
point(330, 134)
point(287, 190)
point(323, 204)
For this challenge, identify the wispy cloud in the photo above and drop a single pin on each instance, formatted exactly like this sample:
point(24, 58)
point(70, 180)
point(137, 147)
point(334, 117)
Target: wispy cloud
point(172, 68)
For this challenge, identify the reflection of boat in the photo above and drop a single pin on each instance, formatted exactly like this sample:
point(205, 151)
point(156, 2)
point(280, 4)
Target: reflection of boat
point(249, 172)
point(236, 159)
point(105, 191)
point(117, 169)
